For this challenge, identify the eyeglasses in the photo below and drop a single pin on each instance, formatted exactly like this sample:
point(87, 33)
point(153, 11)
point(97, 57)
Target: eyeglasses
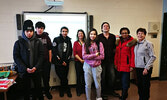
point(124, 33)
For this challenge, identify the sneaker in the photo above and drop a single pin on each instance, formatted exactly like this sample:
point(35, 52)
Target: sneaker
point(105, 97)
point(98, 98)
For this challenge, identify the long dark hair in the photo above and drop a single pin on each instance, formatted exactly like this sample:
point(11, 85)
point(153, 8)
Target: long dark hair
point(80, 30)
point(88, 41)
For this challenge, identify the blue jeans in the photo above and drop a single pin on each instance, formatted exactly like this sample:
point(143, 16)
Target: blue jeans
point(92, 74)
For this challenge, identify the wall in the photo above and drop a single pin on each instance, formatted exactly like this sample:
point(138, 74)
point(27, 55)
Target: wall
point(130, 13)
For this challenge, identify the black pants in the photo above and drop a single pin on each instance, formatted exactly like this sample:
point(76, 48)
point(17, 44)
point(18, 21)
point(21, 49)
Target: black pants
point(62, 73)
point(35, 78)
point(80, 77)
point(108, 77)
point(46, 75)
point(143, 82)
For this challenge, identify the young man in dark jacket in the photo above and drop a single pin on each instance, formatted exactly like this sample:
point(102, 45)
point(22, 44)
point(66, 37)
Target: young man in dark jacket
point(46, 66)
point(28, 55)
point(62, 51)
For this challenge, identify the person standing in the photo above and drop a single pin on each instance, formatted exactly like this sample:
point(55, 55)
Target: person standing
point(144, 58)
point(93, 53)
point(28, 54)
point(62, 51)
point(108, 72)
point(44, 37)
point(124, 59)
point(77, 51)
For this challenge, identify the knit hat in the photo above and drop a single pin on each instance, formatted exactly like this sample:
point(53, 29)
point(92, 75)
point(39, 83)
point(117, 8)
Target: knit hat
point(40, 25)
point(28, 25)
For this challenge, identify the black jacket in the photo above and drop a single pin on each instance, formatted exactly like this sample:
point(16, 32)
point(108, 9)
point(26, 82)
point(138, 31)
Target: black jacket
point(109, 46)
point(46, 43)
point(57, 51)
point(21, 55)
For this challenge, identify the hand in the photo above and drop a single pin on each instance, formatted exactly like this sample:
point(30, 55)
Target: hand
point(131, 69)
point(145, 71)
point(34, 69)
point(64, 63)
point(82, 61)
point(28, 70)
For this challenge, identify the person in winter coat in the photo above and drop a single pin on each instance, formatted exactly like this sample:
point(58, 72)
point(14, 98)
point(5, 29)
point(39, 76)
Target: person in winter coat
point(144, 58)
point(92, 53)
point(124, 59)
point(28, 54)
point(46, 66)
point(62, 51)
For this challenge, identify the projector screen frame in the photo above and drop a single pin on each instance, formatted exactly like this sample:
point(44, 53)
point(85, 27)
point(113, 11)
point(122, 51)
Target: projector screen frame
point(61, 13)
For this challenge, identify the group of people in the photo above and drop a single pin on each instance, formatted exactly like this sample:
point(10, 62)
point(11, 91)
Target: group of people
point(97, 58)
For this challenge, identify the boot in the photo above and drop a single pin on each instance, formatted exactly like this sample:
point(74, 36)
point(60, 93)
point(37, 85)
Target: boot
point(61, 92)
point(124, 94)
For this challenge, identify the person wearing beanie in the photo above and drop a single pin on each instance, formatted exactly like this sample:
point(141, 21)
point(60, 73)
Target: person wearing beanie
point(46, 66)
point(28, 54)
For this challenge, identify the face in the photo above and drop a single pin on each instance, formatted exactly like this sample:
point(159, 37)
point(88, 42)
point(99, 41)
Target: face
point(29, 33)
point(39, 30)
point(105, 28)
point(80, 35)
point(64, 32)
point(124, 34)
point(93, 35)
point(141, 36)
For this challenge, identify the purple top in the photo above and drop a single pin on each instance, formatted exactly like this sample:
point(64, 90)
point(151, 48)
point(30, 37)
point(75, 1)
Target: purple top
point(91, 58)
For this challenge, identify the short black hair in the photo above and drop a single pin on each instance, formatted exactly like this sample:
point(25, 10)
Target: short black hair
point(124, 28)
point(40, 25)
point(141, 30)
point(64, 27)
point(103, 24)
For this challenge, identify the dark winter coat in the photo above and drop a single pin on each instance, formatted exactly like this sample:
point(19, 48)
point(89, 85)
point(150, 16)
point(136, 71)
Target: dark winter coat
point(57, 51)
point(21, 54)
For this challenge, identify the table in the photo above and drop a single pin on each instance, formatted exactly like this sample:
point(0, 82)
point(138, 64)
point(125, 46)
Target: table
point(5, 90)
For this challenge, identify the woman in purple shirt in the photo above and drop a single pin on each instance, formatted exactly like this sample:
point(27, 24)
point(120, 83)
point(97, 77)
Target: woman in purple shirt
point(92, 53)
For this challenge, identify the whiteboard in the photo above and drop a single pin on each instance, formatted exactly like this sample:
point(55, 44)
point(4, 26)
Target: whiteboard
point(54, 22)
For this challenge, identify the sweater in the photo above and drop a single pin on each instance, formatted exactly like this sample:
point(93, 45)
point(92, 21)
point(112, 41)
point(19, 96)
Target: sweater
point(91, 58)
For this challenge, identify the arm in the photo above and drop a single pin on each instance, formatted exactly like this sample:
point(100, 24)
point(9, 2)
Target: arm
point(75, 52)
point(50, 56)
point(17, 58)
point(85, 55)
point(49, 46)
point(40, 55)
point(54, 51)
point(152, 56)
point(132, 57)
point(101, 56)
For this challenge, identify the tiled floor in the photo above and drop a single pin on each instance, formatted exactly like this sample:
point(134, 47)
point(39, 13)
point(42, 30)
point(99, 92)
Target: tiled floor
point(158, 92)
